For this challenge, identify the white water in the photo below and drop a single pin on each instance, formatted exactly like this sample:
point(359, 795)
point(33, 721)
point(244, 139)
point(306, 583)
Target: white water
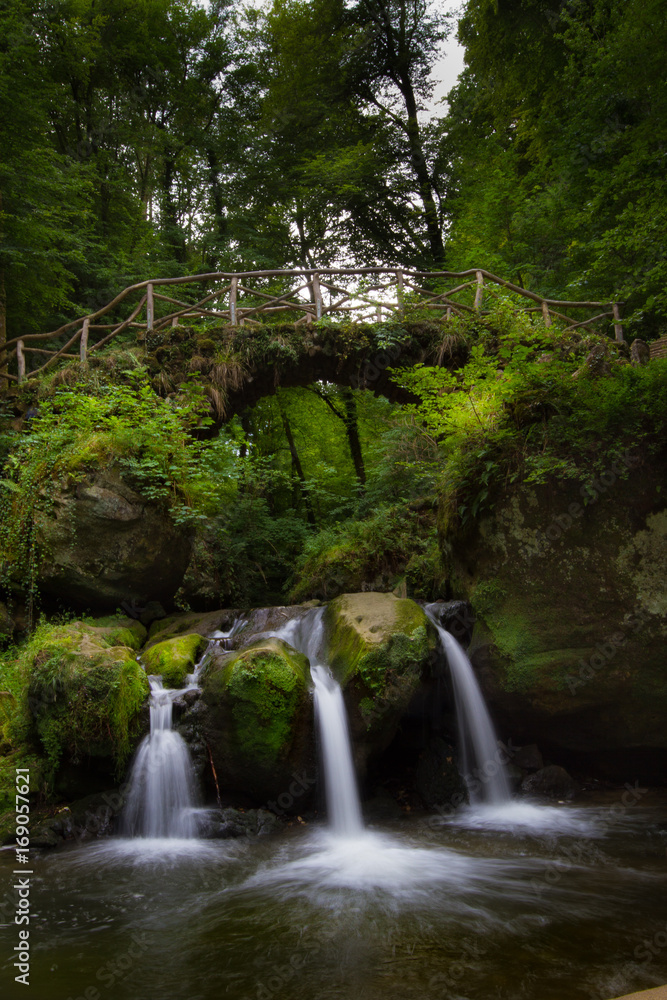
point(340, 783)
point(481, 763)
point(161, 798)
point(343, 806)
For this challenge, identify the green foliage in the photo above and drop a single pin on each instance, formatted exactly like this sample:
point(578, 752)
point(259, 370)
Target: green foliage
point(86, 427)
point(552, 151)
point(375, 553)
point(525, 407)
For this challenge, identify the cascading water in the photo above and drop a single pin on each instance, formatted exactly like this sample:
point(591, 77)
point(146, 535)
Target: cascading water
point(340, 783)
point(161, 799)
point(483, 770)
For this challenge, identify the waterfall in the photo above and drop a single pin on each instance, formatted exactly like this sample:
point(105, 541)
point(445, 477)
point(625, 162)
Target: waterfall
point(340, 784)
point(161, 799)
point(482, 768)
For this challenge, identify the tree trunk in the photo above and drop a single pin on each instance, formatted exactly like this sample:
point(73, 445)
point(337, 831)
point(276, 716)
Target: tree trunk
point(297, 468)
point(420, 167)
point(3, 312)
point(220, 222)
point(352, 429)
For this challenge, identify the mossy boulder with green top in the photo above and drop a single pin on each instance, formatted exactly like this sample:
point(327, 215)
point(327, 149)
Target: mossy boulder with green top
point(174, 659)
point(258, 721)
point(85, 693)
point(380, 648)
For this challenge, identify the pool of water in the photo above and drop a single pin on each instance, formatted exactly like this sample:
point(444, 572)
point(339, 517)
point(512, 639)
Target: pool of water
point(510, 903)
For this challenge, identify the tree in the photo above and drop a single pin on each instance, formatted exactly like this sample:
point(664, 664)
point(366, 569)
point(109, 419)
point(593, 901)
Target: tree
point(397, 44)
point(552, 149)
point(43, 211)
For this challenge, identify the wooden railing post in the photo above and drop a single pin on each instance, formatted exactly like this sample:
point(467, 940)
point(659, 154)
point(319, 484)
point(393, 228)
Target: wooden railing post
point(618, 326)
point(479, 294)
point(400, 294)
point(546, 314)
point(83, 346)
point(20, 360)
point(233, 291)
point(317, 295)
point(150, 307)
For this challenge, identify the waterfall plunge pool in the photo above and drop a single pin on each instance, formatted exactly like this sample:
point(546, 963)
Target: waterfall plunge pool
point(542, 905)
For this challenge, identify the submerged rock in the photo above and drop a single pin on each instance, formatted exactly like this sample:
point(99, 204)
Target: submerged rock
point(225, 824)
point(258, 719)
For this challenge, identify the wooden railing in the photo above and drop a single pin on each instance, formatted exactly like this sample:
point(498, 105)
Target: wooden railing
point(380, 294)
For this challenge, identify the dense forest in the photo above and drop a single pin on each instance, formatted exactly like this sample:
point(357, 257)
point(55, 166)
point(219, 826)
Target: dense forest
point(165, 137)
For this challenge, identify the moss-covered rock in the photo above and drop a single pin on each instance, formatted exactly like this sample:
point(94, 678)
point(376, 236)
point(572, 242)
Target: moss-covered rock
point(569, 585)
point(85, 692)
point(259, 717)
point(380, 647)
point(174, 659)
point(104, 543)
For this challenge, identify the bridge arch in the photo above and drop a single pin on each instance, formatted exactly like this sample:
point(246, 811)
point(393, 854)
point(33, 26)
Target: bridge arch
point(238, 366)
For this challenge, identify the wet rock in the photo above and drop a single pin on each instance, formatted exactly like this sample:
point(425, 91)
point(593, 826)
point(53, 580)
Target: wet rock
point(174, 659)
point(552, 782)
point(85, 694)
point(456, 617)
point(227, 824)
point(83, 820)
point(380, 647)
point(258, 720)
point(568, 584)
point(528, 758)
point(437, 778)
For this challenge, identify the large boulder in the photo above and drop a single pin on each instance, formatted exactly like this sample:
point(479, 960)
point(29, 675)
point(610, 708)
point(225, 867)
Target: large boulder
point(104, 544)
point(568, 581)
point(380, 648)
point(85, 695)
point(174, 659)
point(258, 721)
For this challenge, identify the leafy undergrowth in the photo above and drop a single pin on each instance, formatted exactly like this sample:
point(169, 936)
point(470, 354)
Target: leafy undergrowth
point(528, 406)
point(395, 547)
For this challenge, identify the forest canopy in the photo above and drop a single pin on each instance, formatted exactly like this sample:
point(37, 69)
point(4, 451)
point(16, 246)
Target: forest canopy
point(166, 137)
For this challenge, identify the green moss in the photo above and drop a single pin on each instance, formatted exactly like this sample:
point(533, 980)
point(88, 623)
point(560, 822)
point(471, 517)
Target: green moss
point(122, 631)
point(174, 659)
point(402, 654)
point(265, 684)
point(86, 703)
point(377, 636)
point(72, 694)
